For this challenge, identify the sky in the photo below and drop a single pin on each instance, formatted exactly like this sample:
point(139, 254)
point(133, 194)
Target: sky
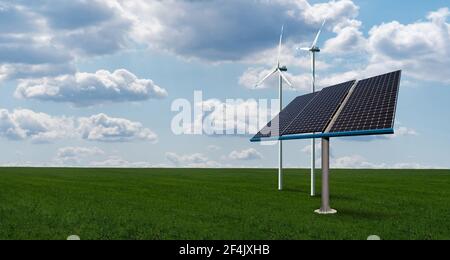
point(96, 83)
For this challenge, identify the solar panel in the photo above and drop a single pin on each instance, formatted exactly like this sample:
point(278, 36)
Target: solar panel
point(319, 112)
point(286, 116)
point(342, 110)
point(371, 106)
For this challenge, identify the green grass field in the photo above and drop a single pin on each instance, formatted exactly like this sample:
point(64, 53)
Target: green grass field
point(220, 204)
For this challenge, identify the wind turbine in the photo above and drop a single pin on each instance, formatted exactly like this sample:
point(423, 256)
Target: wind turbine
point(280, 69)
point(313, 50)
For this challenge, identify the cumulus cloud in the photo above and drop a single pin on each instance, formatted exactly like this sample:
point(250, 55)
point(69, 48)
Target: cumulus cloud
point(24, 124)
point(196, 160)
point(94, 157)
point(118, 162)
point(87, 89)
point(421, 48)
point(70, 29)
point(74, 155)
point(355, 161)
point(359, 162)
point(404, 131)
point(103, 128)
point(235, 117)
point(349, 39)
point(44, 38)
point(185, 28)
point(246, 155)
point(416, 166)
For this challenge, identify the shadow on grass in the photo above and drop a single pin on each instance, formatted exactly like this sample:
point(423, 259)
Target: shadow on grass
point(364, 214)
point(343, 197)
point(297, 190)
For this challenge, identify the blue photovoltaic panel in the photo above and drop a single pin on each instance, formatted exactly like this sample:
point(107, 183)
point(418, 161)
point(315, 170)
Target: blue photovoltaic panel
point(320, 111)
point(275, 127)
point(366, 109)
point(371, 106)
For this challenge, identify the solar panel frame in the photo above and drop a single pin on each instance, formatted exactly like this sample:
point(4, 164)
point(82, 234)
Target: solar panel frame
point(372, 105)
point(319, 113)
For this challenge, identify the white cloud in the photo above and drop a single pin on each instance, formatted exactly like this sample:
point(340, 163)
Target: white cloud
point(414, 166)
point(24, 124)
point(45, 38)
point(235, 117)
point(246, 155)
point(75, 155)
point(118, 162)
point(354, 161)
point(103, 128)
point(196, 160)
point(87, 89)
point(359, 162)
point(404, 131)
point(335, 12)
point(420, 48)
point(190, 28)
point(349, 39)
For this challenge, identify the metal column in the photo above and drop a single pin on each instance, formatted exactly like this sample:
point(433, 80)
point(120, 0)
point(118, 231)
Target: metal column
point(326, 209)
point(313, 141)
point(280, 147)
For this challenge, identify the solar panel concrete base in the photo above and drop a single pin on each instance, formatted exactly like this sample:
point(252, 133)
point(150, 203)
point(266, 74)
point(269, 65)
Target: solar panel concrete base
point(326, 209)
point(326, 212)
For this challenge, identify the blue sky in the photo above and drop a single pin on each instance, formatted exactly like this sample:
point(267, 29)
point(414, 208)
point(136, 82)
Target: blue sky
point(91, 83)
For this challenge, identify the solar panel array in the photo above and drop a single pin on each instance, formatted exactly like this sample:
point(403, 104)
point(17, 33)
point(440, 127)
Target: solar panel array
point(371, 106)
point(318, 114)
point(286, 116)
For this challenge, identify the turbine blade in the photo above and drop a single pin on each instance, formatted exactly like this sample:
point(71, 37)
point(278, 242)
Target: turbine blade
point(304, 49)
point(280, 45)
point(266, 77)
point(284, 78)
point(318, 35)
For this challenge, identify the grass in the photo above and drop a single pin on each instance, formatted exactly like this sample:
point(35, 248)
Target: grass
point(39, 203)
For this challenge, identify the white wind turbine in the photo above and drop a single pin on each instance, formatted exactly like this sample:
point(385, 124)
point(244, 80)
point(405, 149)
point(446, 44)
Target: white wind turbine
point(313, 50)
point(280, 69)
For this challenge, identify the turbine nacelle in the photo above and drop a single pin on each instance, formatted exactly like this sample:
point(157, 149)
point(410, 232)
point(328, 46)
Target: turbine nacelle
point(283, 68)
point(314, 49)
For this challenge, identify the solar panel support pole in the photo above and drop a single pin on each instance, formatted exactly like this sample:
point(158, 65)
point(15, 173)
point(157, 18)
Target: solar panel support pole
point(280, 144)
point(325, 209)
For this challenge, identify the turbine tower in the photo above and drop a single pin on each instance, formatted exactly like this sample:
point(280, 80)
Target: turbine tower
point(313, 50)
point(280, 69)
